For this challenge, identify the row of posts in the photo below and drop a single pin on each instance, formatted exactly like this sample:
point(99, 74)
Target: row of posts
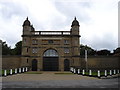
point(77, 71)
point(19, 70)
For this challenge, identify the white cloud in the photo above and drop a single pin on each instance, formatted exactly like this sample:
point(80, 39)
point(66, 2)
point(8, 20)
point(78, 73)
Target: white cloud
point(98, 19)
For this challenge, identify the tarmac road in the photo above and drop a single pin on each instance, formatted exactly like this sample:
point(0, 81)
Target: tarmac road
point(51, 80)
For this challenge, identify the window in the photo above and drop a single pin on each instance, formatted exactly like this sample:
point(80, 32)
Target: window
point(50, 41)
point(51, 52)
point(66, 50)
point(34, 50)
point(66, 41)
point(27, 49)
point(27, 60)
point(34, 41)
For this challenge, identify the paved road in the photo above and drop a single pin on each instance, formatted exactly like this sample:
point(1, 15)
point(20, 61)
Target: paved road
point(51, 80)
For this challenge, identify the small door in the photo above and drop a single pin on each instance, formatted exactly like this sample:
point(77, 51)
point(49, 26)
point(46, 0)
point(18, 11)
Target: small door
point(66, 65)
point(34, 65)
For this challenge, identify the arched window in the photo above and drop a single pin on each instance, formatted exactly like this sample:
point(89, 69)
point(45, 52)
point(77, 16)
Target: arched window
point(50, 53)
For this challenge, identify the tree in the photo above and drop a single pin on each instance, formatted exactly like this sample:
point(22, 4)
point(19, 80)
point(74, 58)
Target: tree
point(90, 51)
point(117, 50)
point(103, 52)
point(5, 49)
point(18, 48)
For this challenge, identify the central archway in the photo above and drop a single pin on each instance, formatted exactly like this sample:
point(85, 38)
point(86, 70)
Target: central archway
point(50, 60)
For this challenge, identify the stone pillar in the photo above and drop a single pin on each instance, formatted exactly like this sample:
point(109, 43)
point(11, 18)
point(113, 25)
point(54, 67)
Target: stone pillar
point(40, 64)
point(61, 64)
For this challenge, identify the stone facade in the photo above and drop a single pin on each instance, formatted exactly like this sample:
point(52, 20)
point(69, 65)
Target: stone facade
point(36, 43)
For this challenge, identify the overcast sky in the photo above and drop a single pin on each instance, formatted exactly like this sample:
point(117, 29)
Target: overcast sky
point(98, 19)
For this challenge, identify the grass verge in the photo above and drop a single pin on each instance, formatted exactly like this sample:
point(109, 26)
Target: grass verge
point(32, 73)
point(64, 73)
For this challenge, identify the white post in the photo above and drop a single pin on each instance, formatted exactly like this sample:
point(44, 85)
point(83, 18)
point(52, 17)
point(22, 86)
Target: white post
point(23, 69)
point(114, 72)
point(74, 71)
point(15, 70)
point(78, 71)
point(26, 69)
point(105, 73)
point(118, 71)
point(10, 71)
point(98, 73)
point(19, 70)
point(5, 72)
point(83, 72)
point(86, 60)
point(110, 73)
point(90, 72)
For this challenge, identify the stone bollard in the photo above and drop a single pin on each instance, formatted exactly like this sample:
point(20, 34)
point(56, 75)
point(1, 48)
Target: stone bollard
point(110, 72)
point(83, 72)
point(15, 70)
point(99, 73)
point(74, 71)
point(114, 71)
point(19, 70)
point(105, 73)
point(10, 71)
point(90, 72)
point(78, 71)
point(23, 69)
point(5, 72)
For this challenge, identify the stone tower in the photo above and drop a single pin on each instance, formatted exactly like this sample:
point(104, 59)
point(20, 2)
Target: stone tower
point(75, 42)
point(26, 41)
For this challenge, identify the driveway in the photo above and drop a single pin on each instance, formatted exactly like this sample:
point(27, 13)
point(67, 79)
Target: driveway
point(51, 80)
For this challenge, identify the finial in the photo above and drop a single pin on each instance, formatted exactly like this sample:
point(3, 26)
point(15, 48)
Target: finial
point(27, 18)
point(75, 17)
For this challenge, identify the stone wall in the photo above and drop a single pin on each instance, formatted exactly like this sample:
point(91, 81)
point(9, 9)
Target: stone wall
point(103, 62)
point(11, 62)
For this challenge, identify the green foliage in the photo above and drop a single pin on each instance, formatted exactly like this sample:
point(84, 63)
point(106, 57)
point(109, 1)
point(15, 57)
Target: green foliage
point(5, 49)
point(117, 50)
point(90, 51)
point(15, 51)
point(103, 52)
point(18, 48)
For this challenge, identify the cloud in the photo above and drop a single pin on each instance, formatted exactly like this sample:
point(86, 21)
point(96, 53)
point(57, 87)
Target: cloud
point(98, 20)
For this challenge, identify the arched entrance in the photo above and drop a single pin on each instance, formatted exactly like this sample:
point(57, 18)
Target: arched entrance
point(50, 60)
point(34, 65)
point(66, 65)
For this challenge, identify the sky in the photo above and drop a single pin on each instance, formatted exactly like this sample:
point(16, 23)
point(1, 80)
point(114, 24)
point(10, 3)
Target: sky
point(98, 19)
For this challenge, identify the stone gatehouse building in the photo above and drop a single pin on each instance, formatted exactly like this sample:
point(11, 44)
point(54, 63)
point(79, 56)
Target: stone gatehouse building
point(50, 50)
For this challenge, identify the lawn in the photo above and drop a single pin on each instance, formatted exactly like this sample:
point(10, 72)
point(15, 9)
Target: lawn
point(64, 73)
point(32, 72)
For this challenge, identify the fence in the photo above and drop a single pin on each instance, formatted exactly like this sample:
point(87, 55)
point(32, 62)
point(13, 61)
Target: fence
point(14, 71)
point(94, 73)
